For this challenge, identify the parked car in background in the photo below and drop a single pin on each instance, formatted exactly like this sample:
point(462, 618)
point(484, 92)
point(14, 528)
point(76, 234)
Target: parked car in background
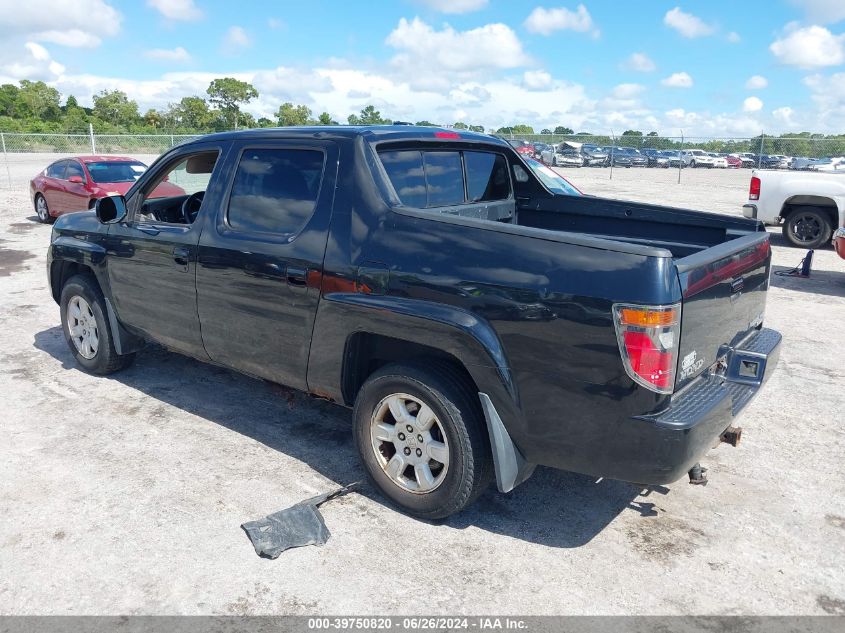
point(830, 165)
point(613, 338)
point(774, 161)
point(810, 206)
point(803, 163)
point(522, 147)
point(655, 157)
point(627, 157)
point(697, 158)
point(718, 160)
point(539, 148)
point(566, 154)
point(674, 158)
point(594, 156)
point(75, 184)
point(749, 159)
point(734, 162)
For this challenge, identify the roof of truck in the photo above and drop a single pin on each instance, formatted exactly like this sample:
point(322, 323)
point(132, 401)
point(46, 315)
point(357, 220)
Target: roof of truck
point(376, 132)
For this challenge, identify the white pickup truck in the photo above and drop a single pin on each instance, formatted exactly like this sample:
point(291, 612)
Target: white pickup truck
point(810, 205)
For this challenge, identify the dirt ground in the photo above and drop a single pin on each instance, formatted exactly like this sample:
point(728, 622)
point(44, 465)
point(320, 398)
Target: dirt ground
point(124, 495)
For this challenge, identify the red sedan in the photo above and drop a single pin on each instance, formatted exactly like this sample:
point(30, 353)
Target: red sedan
point(75, 184)
point(733, 161)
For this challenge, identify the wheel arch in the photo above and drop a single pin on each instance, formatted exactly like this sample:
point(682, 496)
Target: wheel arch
point(824, 204)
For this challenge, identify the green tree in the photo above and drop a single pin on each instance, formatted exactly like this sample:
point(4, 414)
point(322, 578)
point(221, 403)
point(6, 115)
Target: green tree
point(191, 112)
point(37, 99)
point(265, 122)
point(425, 123)
point(369, 116)
point(113, 106)
point(476, 128)
point(632, 133)
point(326, 119)
point(71, 102)
point(545, 130)
point(153, 118)
point(563, 130)
point(8, 99)
point(460, 125)
point(228, 94)
point(290, 114)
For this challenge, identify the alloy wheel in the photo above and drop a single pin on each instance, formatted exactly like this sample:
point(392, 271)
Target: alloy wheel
point(409, 443)
point(82, 326)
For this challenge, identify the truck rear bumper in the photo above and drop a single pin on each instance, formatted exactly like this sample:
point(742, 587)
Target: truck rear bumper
point(661, 448)
point(749, 211)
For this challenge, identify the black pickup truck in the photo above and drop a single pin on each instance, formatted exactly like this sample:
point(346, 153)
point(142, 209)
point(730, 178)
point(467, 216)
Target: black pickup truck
point(478, 320)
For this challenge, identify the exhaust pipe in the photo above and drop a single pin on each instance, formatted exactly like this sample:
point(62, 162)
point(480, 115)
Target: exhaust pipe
point(731, 435)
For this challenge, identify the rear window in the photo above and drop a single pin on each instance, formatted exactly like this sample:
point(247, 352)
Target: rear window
point(116, 171)
point(425, 179)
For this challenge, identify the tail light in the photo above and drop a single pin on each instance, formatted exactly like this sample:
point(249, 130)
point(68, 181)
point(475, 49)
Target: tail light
point(648, 340)
point(754, 189)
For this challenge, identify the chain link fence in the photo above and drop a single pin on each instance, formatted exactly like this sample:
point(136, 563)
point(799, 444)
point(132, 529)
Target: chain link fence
point(24, 153)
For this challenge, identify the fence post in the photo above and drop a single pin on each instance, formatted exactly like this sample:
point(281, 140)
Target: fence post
point(760, 153)
point(91, 136)
point(171, 140)
point(681, 157)
point(6, 159)
point(612, 146)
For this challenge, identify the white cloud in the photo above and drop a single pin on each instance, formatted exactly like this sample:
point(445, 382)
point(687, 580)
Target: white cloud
point(828, 94)
point(677, 80)
point(752, 104)
point(547, 21)
point(432, 59)
point(687, 24)
point(627, 91)
point(176, 9)
point(176, 55)
point(236, 39)
point(639, 62)
point(734, 38)
point(756, 82)
point(275, 23)
point(822, 11)
point(31, 61)
point(455, 6)
point(536, 79)
point(783, 114)
point(809, 47)
point(59, 22)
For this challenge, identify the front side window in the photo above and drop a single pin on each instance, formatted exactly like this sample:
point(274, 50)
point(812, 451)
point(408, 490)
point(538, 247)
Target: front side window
point(74, 169)
point(438, 178)
point(275, 190)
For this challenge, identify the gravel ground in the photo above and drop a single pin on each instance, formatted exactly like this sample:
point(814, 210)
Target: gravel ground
point(124, 495)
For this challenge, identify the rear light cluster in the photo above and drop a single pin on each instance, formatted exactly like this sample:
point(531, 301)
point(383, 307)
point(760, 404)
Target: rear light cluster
point(754, 189)
point(649, 337)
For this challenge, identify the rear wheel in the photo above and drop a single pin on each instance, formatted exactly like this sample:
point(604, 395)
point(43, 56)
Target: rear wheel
point(807, 228)
point(86, 327)
point(42, 210)
point(421, 437)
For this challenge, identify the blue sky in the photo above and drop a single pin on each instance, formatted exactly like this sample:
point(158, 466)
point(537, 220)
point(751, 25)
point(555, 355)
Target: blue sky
point(710, 68)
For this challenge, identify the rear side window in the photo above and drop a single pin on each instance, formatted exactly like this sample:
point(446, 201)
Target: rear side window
point(275, 190)
point(57, 169)
point(425, 179)
point(487, 176)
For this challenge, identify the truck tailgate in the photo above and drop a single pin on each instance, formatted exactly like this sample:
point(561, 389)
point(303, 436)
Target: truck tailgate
point(724, 297)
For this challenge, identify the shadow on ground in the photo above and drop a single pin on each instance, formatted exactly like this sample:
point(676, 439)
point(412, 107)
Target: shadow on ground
point(552, 508)
point(820, 282)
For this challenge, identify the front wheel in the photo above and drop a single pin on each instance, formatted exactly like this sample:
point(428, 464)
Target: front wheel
point(86, 327)
point(421, 436)
point(807, 228)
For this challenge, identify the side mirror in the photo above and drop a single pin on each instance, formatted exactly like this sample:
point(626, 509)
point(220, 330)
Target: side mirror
point(110, 209)
point(77, 180)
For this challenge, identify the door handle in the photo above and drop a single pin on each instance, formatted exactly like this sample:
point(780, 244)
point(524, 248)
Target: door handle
point(149, 230)
point(181, 255)
point(297, 276)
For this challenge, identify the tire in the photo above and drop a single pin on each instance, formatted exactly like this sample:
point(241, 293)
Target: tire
point(86, 327)
point(42, 210)
point(692, 164)
point(409, 472)
point(807, 227)
point(554, 160)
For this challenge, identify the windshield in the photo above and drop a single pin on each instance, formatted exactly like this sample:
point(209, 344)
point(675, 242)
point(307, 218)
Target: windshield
point(553, 182)
point(116, 171)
